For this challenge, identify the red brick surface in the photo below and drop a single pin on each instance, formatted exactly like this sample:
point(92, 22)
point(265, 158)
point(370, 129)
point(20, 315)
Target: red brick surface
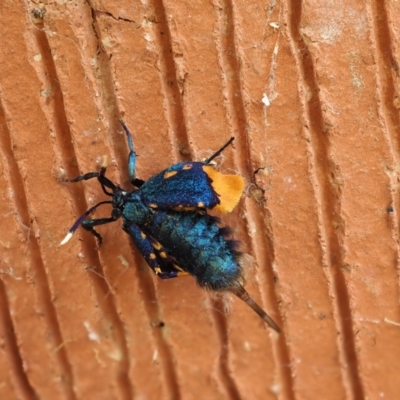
point(319, 217)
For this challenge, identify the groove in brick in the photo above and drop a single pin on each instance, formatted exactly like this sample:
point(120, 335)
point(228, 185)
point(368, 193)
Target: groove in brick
point(165, 354)
point(63, 137)
point(329, 206)
point(36, 262)
point(146, 283)
point(225, 376)
point(172, 97)
point(21, 382)
point(389, 114)
point(238, 120)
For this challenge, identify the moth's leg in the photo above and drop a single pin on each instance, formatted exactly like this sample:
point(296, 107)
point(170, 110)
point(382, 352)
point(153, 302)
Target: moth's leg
point(137, 182)
point(104, 181)
point(89, 225)
point(85, 177)
point(131, 158)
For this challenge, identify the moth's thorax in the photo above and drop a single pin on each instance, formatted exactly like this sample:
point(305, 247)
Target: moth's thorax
point(133, 210)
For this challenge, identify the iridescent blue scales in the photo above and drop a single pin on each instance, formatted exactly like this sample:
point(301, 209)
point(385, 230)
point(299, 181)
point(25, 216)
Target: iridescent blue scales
point(167, 219)
point(181, 238)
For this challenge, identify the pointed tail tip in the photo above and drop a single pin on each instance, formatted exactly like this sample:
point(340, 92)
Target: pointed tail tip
point(270, 322)
point(241, 292)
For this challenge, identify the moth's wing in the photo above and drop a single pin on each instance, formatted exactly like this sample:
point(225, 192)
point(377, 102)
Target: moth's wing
point(192, 185)
point(154, 254)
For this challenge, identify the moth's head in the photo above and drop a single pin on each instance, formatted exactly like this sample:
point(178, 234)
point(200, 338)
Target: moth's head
point(119, 198)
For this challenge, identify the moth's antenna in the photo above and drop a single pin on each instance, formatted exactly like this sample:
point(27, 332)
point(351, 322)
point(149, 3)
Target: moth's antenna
point(241, 292)
point(209, 159)
point(79, 221)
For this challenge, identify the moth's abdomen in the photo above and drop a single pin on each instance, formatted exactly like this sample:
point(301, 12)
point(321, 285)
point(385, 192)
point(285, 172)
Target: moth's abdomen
point(199, 247)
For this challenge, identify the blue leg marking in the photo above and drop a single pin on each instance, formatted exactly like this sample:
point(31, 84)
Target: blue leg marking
point(131, 157)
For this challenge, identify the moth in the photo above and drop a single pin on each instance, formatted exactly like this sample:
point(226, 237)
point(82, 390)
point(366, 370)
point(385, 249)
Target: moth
point(167, 219)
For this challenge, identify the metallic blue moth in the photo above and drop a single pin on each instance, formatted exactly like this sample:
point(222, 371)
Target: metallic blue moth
point(167, 219)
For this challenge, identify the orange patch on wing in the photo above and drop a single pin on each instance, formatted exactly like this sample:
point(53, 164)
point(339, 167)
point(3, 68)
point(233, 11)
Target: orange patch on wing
point(168, 174)
point(187, 166)
point(228, 187)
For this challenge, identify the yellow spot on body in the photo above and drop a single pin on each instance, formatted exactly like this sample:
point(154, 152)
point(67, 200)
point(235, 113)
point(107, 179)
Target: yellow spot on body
point(163, 254)
point(168, 174)
point(180, 274)
point(176, 266)
point(157, 245)
point(157, 270)
point(152, 205)
point(187, 166)
point(201, 204)
point(152, 256)
point(229, 188)
point(182, 208)
point(143, 235)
